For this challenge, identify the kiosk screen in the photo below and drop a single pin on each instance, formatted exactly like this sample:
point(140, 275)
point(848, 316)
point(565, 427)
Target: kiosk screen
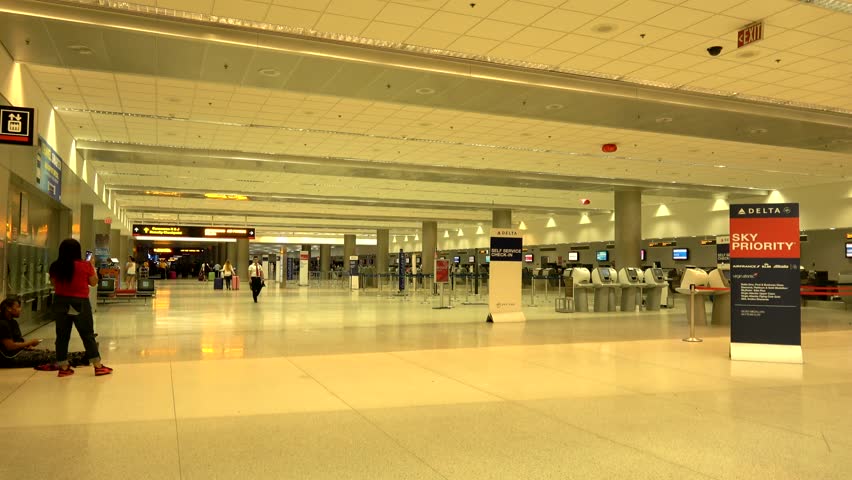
point(848, 249)
point(602, 255)
point(604, 272)
point(658, 274)
point(575, 256)
point(632, 275)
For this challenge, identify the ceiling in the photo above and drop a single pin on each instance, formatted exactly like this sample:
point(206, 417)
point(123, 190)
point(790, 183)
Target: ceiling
point(328, 133)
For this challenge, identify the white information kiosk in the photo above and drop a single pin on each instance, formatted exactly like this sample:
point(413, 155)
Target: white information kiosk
point(580, 281)
point(604, 279)
point(719, 278)
point(630, 279)
point(655, 285)
point(699, 278)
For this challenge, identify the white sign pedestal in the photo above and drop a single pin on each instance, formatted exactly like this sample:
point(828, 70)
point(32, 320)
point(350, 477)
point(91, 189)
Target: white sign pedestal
point(504, 288)
point(304, 261)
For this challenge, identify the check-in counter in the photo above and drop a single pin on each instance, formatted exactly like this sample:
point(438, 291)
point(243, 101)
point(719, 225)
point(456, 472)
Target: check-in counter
point(655, 285)
point(699, 278)
point(630, 279)
point(720, 279)
point(580, 286)
point(604, 280)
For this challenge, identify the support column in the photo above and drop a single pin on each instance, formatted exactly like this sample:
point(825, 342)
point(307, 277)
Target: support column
point(242, 263)
point(307, 248)
point(115, 246)
point(348, 249)
point(87, 227)
point(501, 218)
point(429, 240)
point(231, 252)
point(123, 248)
point(325, 259)
point(628, 228)
point(382, 246)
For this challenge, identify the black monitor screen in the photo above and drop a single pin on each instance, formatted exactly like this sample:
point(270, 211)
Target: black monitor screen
point(602, 255)
point(680, 254)
point(632, 275)
point(575, 256)
point(658, 274)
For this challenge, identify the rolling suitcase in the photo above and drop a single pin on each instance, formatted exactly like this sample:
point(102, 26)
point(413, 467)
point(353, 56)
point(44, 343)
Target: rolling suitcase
point(235, 282)
point(218, 283)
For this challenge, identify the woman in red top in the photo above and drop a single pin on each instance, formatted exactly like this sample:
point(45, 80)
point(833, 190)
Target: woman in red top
point(71, 277)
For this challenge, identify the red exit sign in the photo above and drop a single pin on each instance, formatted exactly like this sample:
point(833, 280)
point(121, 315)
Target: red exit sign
point(750, 34)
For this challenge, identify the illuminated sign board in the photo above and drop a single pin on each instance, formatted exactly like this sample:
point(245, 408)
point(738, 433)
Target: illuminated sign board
point(166, 231)
point(662, 244)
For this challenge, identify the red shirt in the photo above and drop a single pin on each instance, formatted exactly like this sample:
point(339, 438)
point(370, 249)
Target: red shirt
point(79, 286)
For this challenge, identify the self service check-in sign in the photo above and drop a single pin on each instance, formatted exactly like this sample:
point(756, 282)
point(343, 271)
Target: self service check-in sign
point(17, 125)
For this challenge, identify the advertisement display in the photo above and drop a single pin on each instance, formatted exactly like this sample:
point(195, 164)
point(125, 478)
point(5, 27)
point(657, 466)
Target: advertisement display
point(353, 272)
point(304, 260)
point(48, 170)
point(766, 320)
point(442, 270)
point(401, 270)
point(504, 299)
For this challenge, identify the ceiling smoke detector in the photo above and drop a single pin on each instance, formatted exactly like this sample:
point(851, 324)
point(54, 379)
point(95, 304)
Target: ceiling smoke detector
point(604, 28)
point(664, 120)
point(425, 91)
point(554, 106)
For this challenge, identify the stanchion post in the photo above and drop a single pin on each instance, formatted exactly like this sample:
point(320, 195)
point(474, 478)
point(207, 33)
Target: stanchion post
point(692, 337)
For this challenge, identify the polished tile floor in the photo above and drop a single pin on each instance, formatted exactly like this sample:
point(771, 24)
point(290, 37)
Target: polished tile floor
point(319, 383)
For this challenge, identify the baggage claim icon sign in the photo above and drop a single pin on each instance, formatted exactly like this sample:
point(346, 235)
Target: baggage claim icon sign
point(17, 125)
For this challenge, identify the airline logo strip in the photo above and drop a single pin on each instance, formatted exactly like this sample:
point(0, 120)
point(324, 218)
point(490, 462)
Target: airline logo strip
point(765, 282)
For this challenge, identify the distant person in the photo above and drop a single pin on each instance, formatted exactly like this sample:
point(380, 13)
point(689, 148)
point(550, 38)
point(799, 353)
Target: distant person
point(202, 272)
point(15, 352)
point(218, 269)
point(227, 273)
point(256, 277)
point(130, 273)
point(71, 277)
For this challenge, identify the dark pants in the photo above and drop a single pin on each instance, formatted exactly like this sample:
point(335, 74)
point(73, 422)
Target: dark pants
point(82, 321)
point(35, 358)
point(228, 282)
point(256, 285)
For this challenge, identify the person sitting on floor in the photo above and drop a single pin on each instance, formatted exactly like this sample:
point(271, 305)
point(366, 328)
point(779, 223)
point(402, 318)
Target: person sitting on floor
point(15, 352)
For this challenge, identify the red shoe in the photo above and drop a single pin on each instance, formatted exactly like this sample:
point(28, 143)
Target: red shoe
point(102, 370)
point(47, 367)
point(65, 373)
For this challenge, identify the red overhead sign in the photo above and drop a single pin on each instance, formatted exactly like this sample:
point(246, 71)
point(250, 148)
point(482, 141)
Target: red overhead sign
point(750, 34)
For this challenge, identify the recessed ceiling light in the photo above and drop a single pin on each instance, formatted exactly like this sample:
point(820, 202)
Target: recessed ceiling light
point(81, 49)
point(425, 124)
point(758, 131)
point(604, 28)
point(720, 166)
point(554, 106)
point(425, 91)
point(748, 54)
point(269, 72)
point(664, 120)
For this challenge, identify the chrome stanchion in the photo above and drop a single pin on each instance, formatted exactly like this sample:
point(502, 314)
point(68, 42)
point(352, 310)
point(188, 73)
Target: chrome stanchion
point(692, 337)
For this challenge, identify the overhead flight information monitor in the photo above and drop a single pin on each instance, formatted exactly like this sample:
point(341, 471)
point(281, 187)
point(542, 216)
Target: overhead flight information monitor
point(602, 255)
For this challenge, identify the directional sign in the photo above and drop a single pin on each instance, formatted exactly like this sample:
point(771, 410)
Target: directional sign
point(193, 232)
point(17, 125)
point(750, 34)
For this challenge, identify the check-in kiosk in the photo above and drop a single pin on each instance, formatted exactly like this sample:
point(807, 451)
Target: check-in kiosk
point(581, 285)
point(604, 280)
point(630, 279)
point(655, 285)
point(699, 278)
point(720, 278)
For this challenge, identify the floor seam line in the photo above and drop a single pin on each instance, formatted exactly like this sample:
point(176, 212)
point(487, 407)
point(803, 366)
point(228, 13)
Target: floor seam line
point(364, 417)
point(559, 420)
point(32, 374)
point(177, 432)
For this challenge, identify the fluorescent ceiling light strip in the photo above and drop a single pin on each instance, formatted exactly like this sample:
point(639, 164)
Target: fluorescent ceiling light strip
point(835, 5)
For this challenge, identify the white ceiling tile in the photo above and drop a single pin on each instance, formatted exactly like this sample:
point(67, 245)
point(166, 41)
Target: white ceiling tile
point(340, 24)
point(619, 67)
point(524, 13)
point(652, 73)
point(564, 20)
point(807, 66)
point(242, 9)
point(678, 18)
point(512, 50)
point(681, 78)
point(681, 61)
point(638, 10)
point(550, 57)
point(644, 35)
point(596, 7)
point(605, 27)
point(821, 46)
point(647, 55)
point(797, 15)
point(404, 15)
point(845, 35)
point(537, 37)
point(755, 10)
point(364, 9)
point(575, 43)
point(586, 62)
point(718, 25)
point(494, 30)
point(451, 22)
point(387, 31)
point(681, 41)
point(482, 8)
point(293, 17)
point(612, 49)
